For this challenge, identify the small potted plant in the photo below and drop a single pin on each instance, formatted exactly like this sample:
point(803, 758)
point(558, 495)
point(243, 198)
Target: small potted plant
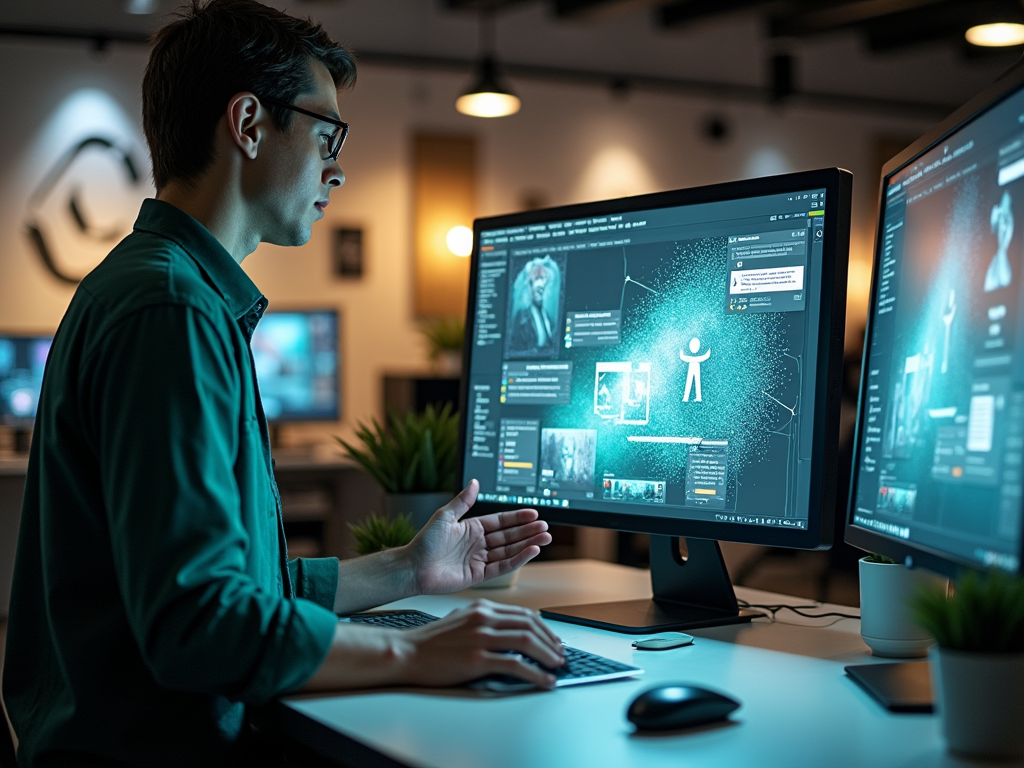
point(377, 533)
point(978, 666)
point(413, 460)
point(886, 620)
point(445, 337)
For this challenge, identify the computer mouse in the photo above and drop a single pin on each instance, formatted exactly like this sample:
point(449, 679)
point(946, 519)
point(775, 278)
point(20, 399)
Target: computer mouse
point(669, 707)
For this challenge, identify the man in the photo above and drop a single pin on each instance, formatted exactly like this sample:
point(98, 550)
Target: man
point(153, 599)
point(532, 329)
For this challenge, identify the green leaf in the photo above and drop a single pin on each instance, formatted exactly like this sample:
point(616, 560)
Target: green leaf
point(378, 533)
point(414, 453)
point(985, 614)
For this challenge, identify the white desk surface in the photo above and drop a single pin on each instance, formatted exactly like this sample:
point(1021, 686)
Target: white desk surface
point(798, 706)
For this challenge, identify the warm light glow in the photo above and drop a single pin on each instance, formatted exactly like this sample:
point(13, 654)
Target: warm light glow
point(488, 104)
point(460, 241)
point(996, 35)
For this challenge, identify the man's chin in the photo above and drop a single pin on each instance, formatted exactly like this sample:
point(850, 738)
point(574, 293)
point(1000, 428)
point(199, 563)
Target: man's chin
point(299, 236)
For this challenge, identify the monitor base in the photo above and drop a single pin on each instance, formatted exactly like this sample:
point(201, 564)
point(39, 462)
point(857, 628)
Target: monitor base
point(688, 594)
point(644, 617)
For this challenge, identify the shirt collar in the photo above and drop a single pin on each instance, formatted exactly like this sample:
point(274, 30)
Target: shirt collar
point(223, 272)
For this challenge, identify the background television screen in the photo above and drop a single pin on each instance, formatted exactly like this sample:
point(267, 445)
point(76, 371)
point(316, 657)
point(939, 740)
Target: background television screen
point(941, 436)
point(297, 365)
point(657, 363)
point(22, 361)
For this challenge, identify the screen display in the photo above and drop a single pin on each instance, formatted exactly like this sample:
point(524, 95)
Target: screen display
point(22, 360)
point(656, 362)
point(942, 413)
point(296, 360)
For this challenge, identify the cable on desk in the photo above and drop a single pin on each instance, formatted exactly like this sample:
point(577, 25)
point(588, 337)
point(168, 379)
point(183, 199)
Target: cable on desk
point(799, 610)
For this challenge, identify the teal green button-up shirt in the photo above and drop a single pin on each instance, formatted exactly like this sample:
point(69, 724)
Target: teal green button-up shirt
point(152, 594)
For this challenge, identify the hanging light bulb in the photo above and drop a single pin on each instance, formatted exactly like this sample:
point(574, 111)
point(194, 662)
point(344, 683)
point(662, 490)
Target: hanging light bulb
point(996, 35)
point(488, 97)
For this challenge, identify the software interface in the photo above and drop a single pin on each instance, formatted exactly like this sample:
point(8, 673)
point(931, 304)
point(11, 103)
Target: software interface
point(941, 433)
point(658, 362)
point(296, 359)
point(22, 360)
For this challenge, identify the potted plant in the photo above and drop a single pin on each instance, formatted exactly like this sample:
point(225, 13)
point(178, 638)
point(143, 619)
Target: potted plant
point(413, 460)
point(378, 533)
point(444, 337)
point(978, 667)
point(886, 619)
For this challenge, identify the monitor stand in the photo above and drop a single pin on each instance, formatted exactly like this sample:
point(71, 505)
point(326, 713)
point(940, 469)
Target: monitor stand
point(688, 594)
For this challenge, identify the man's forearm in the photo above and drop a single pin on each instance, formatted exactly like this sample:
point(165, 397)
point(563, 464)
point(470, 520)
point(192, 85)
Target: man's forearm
point(361, 657)
point(372, 580)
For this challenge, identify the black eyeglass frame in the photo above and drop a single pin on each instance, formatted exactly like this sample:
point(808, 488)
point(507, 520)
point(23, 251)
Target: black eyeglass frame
point(332, 152)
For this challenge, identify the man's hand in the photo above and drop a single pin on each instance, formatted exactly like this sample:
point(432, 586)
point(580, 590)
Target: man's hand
point(450, 553)
point(481, 639)
point(474, 641)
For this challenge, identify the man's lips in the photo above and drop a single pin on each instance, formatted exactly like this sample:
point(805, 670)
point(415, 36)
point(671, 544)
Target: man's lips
point(321, 204)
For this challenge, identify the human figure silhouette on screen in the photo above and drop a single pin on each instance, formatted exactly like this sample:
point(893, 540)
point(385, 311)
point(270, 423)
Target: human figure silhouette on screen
point(693, 370)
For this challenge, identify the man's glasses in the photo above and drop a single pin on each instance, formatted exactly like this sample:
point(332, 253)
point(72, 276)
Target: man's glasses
point(335, 141)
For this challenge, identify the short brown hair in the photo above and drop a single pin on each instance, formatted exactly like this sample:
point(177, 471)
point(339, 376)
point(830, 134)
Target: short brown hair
point(214, 50)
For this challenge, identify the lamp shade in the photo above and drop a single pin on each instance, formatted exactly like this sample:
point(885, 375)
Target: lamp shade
point(488, 97)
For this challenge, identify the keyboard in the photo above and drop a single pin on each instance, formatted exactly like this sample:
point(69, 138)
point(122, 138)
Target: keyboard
point(580, 666)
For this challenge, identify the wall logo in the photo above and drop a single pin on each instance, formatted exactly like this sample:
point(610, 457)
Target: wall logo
point(61, 192)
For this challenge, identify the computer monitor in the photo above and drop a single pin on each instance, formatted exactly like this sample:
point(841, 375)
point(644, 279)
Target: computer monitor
point(22, 360)
point(296, 357)
point(666, 364)
point(939, 454)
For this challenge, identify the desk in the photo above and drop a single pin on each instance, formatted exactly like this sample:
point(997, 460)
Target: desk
point(799, 708)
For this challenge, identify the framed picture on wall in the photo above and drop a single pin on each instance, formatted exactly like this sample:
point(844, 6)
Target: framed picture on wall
point(347, 253)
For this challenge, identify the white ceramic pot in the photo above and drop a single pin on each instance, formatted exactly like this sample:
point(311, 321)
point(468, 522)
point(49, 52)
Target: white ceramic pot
point(980, 699)
point(885, 616)
point(419, 506)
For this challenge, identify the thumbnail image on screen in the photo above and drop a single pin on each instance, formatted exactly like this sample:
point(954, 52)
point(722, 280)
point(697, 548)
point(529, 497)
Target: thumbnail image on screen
point(296, 360)
point(941, 438)
point(658, 361)
point(22, 360)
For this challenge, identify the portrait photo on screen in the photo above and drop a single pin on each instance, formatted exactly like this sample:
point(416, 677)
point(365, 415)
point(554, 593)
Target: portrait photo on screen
point(535, 307)
point(567, 458)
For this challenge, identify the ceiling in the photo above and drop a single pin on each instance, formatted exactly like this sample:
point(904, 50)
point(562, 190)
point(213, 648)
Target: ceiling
point(890, 56)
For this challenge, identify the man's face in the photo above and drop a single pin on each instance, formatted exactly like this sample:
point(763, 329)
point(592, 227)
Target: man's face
point(289, 189)
point(538, 285)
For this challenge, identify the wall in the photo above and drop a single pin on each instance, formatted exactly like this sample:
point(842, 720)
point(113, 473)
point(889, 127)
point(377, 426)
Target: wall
point(569, 144)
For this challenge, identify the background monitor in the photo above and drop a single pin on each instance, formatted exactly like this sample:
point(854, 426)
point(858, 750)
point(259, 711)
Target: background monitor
point(22, 360)
point(939, 453)
point(665, 364)
point(297, 362)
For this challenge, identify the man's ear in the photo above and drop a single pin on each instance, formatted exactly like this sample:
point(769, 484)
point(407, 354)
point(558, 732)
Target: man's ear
point(246, 122)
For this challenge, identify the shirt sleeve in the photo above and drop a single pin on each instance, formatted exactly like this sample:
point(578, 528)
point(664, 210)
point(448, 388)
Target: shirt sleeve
point(165, 395)
point(316, 579)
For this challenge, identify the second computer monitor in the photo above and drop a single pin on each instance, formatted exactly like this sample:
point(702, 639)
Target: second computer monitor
point(663, 364)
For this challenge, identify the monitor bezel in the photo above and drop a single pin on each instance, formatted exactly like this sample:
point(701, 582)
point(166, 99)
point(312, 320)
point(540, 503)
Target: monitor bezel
point(25, 423)
point(916, 555)
point(838, 185)
point(339, 388)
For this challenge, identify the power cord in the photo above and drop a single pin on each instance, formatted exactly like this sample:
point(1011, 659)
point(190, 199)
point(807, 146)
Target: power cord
point(799, 610)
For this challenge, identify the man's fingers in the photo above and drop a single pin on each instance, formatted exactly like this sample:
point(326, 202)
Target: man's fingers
point(526, 641)
point(501, 616)
point(462, 503)
point(517, 533)
point(511, 550)
point(504, 664)
point(500, 520)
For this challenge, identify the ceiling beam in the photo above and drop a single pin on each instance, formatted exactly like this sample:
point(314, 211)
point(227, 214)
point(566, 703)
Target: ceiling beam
point(679, 14)
point(599, 9)
point(481, 6)
point(943, 22)
point(813, 19)
point(616, 81)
